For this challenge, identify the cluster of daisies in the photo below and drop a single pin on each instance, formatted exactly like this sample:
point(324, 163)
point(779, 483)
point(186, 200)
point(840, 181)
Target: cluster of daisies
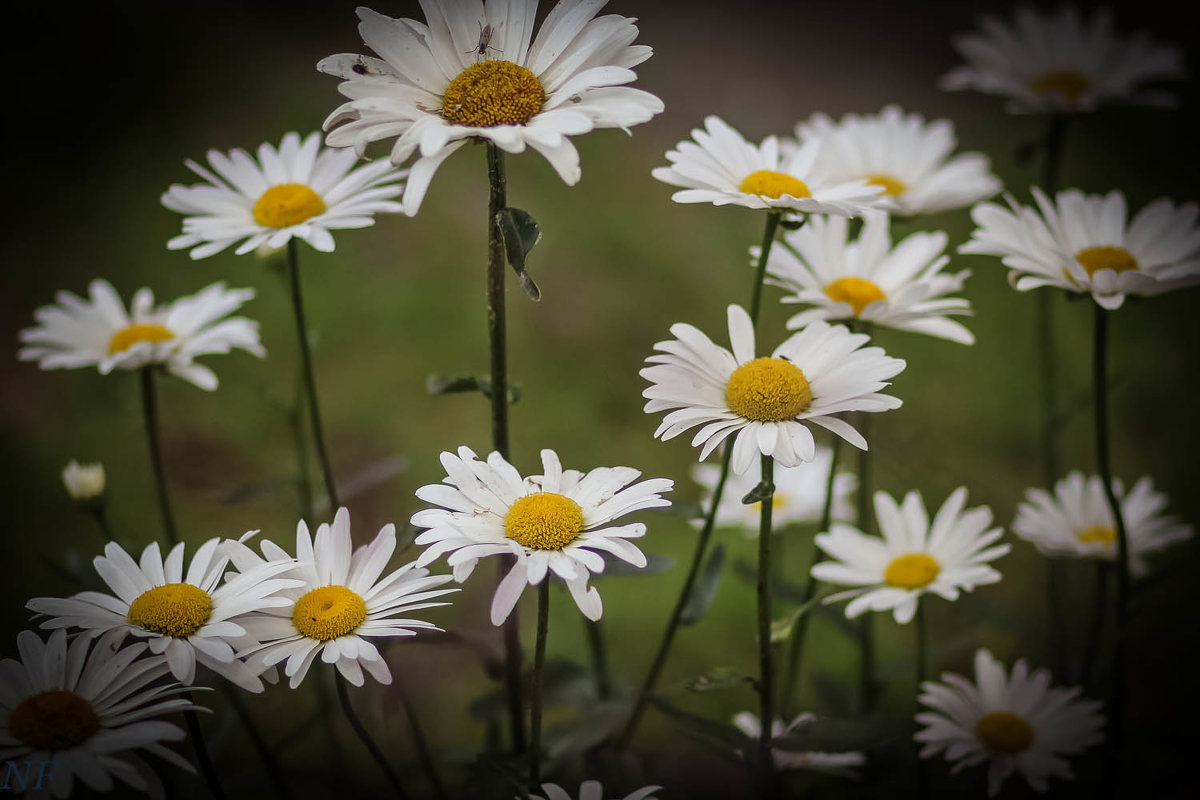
point(92, 696)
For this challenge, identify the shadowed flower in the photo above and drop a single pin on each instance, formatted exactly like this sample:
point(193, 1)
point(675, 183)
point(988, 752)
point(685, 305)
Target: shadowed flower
point(841, 765)
point(590, 790)
point(84, 482)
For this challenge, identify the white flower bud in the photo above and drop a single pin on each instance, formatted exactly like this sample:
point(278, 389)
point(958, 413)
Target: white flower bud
point(84, 482)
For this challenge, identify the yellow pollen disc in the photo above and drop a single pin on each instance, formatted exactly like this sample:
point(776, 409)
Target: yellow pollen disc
point(768, 390)
point(911, 571)
point(286, 205)
point(138, 332)
point(177, 610)
point(544, 521)
point(1094, 259)
point(329, 612)
point(891, 186)
point(491, 93)
point(1066, 82)
point(1097, 533)
point(53, 720)
point(769, 183)
point(1004, 732)
point(858, 292)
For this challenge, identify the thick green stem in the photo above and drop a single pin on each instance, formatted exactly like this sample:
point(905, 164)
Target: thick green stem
point(369, 743)
point(766, 676)
point(539, 667)
point(764, 253)
point(150, 414)
point(200, 748)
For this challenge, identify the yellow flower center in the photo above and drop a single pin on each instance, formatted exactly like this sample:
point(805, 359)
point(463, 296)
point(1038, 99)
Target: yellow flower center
point(891, 186)
point(138, 332)
point(176, 609)
point(1066, 82)
point(768, 390)
point(328, 612)
point(1094, 259)
point(1097, 533)
point(858, 292)
point(286, 205)
point(911, 571)
point(544, 521)
point(53, 720)
point(491, 93)
point(769, 183)
point(1004, 732)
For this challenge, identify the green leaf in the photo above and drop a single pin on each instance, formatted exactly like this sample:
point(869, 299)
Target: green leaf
point(719, 678)
point(781, 629)
point(721, 733)
point(792, 223)
point(705, 588)
point(520, 233)
point(764, 491)
point(686, 510)
point(457, 384)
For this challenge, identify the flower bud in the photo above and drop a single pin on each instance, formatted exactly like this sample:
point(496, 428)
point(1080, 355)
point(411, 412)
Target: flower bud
point(84, 482)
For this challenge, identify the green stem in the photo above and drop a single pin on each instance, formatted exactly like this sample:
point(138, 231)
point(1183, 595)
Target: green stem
point(97, 512)
point(867, 690)
point(922, 634)
point(764, 253)
point(203, 759)
point(424, 755)
point(539, 666)
point(303, 472)
point(150, 413)
point(270, 762)
point(599, 656)
point(1099, 615)
point(766, 677)
point(310, 383)
point(365, 737)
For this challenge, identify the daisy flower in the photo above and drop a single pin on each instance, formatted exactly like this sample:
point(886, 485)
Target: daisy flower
point(799, 493)
point(98, 331)
point(300, 190)
point(80, 710)
point(84, 482)
point(766, 402)
point(1014, 723)
point(902, 287)
point(839, 764)
point(188, 617)
point(912, 557)
point(1083, 243)
point(905, 155)
point(1076, 521)
point(340, 604)
point(590, 790)
point(1054, 63)
point(471, 73)
point(559, 521)
point(720, 167)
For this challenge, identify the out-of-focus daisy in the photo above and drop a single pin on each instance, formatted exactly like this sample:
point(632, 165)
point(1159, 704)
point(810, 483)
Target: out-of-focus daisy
point(904, 154)
point(340, 604)
point(301, 189)
point(559, 521)
point(766, 402)
point(189, 617)
point(84, 482)
point(80, 711)
point(799, 493)
point(1058, 62)
point(1083, 243)
point(1014, 723)
point(720, 167)
point(469, 72)
point(839, 764)
point(98, 331)
point(1076, 521)
point(590, 790)
point(900, 287)
point(912, 557)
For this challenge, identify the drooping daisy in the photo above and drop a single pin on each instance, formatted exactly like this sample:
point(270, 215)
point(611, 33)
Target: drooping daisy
point(766, 402)
point(839, 764)
point(188, 617)
point(1014, 723)
point(301, 190)
point(904, 154)
point(1045, 63)
point(340, 604)
point(902, 287)
point(912, 557)
point(590, 790)
point(98, 331)
point(1082, 243)
point(720, 167)
point(80, 711)
point(469, 72)
point(1076, 521)
point(799, 493)
point(558, 521)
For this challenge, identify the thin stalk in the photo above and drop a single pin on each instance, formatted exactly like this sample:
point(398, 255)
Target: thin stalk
point(764, 253)
point(1099, 615)
point(203, 759)
point(150, 414)
point(599, 655)
point(1117, 704)
point(310, 383)
point(866, 638)
point(424, 755)
point(295, 418)
point(539, 666)
point(766, 677)
point(922, 634)
point(97, 512)
point(270, 762)
point(368, 742)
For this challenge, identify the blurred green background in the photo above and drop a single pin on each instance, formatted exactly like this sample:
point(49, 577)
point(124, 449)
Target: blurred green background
point(111, 99)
